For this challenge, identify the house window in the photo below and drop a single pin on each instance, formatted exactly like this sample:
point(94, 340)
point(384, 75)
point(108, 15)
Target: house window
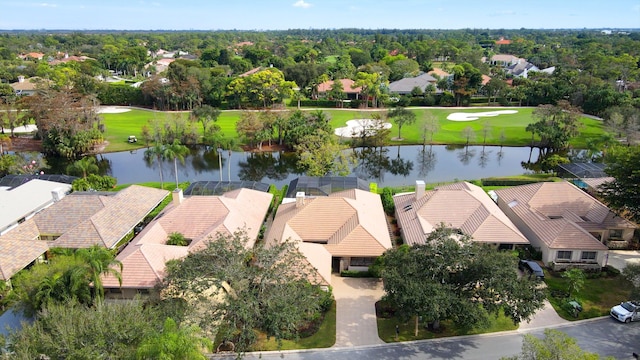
point(361, 261)
point(563, 255)
point(615, 234)
point(588, 255)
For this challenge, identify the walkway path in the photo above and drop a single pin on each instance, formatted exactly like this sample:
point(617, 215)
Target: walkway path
point(356, 311)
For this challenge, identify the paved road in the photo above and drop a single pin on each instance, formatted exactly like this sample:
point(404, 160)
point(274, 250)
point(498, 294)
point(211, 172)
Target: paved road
point(604, 336)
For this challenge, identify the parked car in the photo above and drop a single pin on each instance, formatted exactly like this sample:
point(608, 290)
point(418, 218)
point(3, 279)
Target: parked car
point(532, 268)
point(626, 312)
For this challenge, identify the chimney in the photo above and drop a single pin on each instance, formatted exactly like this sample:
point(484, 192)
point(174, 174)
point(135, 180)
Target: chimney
point(419, 189)
point(299, 199)
point(57, 194)
point(177, 196)
point(21, 79)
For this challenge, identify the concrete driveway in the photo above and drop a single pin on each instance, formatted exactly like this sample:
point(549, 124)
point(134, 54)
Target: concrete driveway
point(356, 311)
point(619, 259)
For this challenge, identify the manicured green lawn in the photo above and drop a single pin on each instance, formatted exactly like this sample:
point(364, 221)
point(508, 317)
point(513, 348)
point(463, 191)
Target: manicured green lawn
point(120, 126)
point(597, 296)
point(325, 336)
point(387, 329)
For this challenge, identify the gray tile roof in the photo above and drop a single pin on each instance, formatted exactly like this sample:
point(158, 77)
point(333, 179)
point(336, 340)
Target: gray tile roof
point(404, 86)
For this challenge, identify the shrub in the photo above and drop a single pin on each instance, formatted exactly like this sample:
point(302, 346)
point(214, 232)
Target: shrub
point(176, 238)
point(387, 201)
point(610, 271)
point(355, 274)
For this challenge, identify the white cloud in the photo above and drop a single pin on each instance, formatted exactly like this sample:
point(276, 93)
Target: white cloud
point(48, 5)
point(302, 4)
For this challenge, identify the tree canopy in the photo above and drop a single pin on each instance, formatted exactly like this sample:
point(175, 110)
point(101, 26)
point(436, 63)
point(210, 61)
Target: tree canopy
point(555, 345)
point(623, 193)
point(452, 277)
point(235, 291)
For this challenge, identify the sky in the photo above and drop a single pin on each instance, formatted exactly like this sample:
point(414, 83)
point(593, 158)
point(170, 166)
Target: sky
point(316, 14)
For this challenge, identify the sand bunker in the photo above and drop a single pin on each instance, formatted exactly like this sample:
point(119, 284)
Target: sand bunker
point(475, 116)
point(355, 127)
point(112, 110)
point(22, 129)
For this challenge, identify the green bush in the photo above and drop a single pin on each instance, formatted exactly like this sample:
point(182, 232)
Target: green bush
point(355, 274)
point(120, 94)
point(510, 182)
point(387, 201)
point(610, 271)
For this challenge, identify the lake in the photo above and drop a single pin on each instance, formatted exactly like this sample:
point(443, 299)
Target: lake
point(387, 166)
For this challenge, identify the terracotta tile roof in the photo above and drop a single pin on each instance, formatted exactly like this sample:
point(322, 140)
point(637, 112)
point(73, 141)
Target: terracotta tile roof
point(348, 223)
point(346, 86)
point(199, 219)
point(437, 71)
point(560, 214)
point(503, 41)
point(461, 205)
point(485, 79)
point(594, 183)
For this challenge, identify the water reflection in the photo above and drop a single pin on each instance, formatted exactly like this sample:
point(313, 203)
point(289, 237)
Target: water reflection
point(388, 166)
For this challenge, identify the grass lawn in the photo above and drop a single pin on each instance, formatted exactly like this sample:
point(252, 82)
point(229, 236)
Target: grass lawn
point(387, 329)
point(325, 336)
point(597, 296)
point(120, 126)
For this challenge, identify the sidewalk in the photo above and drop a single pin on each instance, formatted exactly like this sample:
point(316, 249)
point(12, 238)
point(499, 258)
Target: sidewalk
point(355, 310)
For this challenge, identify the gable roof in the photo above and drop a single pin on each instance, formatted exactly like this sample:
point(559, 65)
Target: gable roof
point(461, 205)
point(27, 199)
point(348, 223)
point(560, 214)
point(199, 219)
point(79, 221)
point(100, 220)
point(16, 255)
point(406, 85)
point(346, 86)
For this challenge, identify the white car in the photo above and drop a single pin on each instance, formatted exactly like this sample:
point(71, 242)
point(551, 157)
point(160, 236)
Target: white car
point(626, 312)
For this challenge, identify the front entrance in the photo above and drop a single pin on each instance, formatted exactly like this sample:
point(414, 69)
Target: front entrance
point(335, 264)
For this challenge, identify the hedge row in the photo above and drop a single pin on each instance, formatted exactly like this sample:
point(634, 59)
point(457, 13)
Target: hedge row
point(510, 182)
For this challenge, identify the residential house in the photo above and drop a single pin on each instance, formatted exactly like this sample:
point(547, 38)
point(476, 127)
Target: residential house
point(20, 203)
point(32, 56)
point(503, 41)
point(351, 92)
point(160, 65)
point(26, 86)
point(346, 230)
point(462, 206)
point(78, 220)
point(199, 219)
point(521, 69)
point(513, 65)
point(569, 227)
point(406, 85)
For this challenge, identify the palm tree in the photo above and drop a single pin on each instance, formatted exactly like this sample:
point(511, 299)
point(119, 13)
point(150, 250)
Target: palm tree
point(85, 166)
point(175, 152)
point(155, 154)
point(100, 261)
